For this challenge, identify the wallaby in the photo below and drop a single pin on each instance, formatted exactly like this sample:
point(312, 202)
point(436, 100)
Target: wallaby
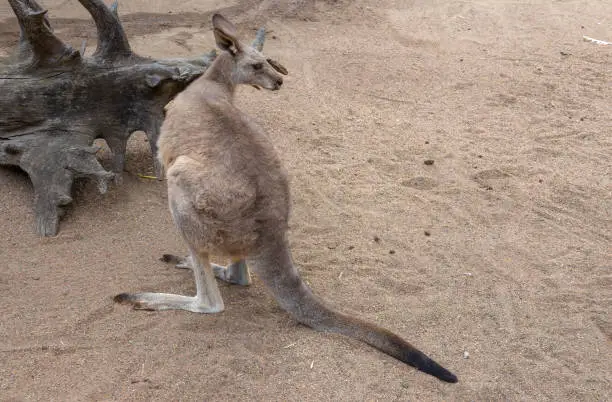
point(229, 195)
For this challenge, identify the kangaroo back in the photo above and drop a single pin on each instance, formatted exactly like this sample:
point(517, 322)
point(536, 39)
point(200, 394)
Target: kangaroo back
point(274, 266)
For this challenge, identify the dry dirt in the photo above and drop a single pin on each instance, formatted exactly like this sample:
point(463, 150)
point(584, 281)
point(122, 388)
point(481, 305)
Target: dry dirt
point(501, 248)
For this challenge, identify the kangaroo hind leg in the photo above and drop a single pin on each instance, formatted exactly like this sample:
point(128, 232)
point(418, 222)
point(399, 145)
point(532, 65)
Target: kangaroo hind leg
point(207, 299)
point(179, 262)
point(236, 273)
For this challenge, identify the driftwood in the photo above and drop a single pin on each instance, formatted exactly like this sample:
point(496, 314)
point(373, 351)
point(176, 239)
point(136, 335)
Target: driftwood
point(54, 102)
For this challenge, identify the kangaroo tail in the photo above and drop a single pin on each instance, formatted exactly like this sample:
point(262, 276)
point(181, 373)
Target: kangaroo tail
point(275, 268)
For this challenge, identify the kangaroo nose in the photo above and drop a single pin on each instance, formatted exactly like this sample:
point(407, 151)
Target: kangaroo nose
point(279, 81)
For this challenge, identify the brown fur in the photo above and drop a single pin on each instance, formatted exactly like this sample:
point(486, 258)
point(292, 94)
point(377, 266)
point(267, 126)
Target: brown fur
point(229, 194)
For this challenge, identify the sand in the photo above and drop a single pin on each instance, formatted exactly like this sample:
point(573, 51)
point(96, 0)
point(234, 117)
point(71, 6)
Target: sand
point(499, 251)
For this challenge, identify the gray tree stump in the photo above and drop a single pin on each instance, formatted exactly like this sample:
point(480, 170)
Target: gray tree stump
point(54, 103)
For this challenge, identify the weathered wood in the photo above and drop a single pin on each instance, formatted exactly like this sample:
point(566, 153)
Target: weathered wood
point(54, 103)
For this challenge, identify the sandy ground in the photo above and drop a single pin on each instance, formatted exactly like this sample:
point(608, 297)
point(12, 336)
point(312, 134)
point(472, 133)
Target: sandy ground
point(501, 248)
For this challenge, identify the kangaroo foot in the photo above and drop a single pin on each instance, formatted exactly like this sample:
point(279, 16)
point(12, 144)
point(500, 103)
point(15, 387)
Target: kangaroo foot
point(167, 301)
point(179, 262)
point(236, 273)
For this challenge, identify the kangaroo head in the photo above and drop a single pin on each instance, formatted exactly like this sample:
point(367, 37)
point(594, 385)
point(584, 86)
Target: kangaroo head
point(251, 67)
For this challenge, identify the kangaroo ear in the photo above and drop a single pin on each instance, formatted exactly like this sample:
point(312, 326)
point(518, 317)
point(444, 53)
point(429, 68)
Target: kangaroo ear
point(225, 33)
point(277, 66)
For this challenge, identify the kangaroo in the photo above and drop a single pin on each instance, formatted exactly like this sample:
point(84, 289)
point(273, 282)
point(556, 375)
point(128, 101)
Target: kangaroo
point(229, 195)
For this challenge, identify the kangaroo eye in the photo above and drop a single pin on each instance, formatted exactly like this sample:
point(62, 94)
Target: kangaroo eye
point(257, 66)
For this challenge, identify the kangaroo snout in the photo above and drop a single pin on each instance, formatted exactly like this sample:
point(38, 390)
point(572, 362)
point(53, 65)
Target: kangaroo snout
point(279, 82)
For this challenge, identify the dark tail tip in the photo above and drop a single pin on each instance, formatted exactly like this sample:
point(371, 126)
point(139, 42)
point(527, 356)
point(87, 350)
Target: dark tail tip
point(420, 361)
point(439, 372)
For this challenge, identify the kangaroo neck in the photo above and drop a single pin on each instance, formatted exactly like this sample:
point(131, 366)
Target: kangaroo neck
point(220, 72)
